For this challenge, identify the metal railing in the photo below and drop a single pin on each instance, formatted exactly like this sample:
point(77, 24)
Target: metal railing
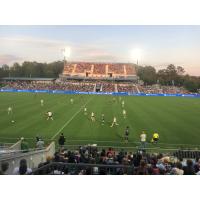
point(59, 168)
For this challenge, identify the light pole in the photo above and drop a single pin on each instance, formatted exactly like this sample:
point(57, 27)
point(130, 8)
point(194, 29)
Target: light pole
point(66, 54)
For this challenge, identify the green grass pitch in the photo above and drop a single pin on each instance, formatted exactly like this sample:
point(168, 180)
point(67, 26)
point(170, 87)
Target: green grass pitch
point(176, 119)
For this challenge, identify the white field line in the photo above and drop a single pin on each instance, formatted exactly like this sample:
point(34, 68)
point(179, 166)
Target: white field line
point(73, 116)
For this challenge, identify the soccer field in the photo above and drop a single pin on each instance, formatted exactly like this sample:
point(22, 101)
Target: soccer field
point(175, 118)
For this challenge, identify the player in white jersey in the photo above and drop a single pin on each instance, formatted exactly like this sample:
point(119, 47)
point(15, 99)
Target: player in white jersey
point(42, 102)
point(122, 104)
point(85, 111)
point(102, 119)
point(124, 113)
point(92, 117)
point(49, 115)
point(9, 110)
point(114, 122)
point(72, 101)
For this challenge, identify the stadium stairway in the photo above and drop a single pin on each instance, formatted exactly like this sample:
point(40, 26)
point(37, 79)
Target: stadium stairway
point(138, 91)
point(106, 69)
point(92, 70)
point(74, 69)
point(95, 86)
point(125, 72)
point(116, 89)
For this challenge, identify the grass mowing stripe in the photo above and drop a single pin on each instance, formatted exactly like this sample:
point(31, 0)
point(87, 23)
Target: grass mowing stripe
point(70, 119)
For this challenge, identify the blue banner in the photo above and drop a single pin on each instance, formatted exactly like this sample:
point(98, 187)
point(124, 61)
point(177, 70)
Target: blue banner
point(99, 93)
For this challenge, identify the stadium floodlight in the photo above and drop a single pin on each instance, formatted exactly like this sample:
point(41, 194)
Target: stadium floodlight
point(136, 55)
point(66, 52)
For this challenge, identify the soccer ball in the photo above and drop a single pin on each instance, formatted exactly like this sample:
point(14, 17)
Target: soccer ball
point(13, 121)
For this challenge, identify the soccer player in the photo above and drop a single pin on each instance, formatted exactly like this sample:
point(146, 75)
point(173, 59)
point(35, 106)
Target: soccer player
point(9, 110)
point(49, 115)
point(85, 111)
point(42, 102)
point(143, 137)
point(123, 104)
point(92, 117)
point(114, 122)
point(155, 138)
point(124, 113)
point(126, 134)
point(72, 101)
point(102, 119)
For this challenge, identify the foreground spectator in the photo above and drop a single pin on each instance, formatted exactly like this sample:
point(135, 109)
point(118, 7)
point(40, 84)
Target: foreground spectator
point(22, 169)
point(189, 169)
point(4, 168)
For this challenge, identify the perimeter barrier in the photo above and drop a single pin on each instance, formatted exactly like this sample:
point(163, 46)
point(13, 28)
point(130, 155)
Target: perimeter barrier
point(99, 93)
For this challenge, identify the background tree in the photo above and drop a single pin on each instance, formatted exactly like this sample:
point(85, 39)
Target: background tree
point(147, 74)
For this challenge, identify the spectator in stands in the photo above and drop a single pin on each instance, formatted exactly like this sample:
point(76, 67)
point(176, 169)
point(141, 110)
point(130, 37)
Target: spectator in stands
point(24, 145)
point(189, 169)
point(61, 140)
point(178, 169)
point(22, 169)
point(142, 169)
point(4, 168)
point(40, 144)
point(197, 167)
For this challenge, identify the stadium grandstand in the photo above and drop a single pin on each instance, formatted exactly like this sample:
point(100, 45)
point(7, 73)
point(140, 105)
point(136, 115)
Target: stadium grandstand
point(100, 70)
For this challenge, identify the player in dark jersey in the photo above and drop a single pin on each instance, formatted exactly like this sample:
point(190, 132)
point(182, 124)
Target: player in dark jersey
point(126, 134)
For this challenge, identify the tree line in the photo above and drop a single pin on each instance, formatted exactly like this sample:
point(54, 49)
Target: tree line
point(32, 69)
point(172, 76)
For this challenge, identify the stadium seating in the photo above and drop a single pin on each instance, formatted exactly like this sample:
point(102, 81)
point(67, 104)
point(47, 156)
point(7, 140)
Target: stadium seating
point(99, 69)
point(89, 160)
point(83, 67)
point(129, 87)
point(116, 69)
point(88, 86)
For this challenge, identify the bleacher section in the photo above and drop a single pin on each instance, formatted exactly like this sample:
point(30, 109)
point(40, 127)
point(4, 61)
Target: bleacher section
point(100, 70)
point(126, 88)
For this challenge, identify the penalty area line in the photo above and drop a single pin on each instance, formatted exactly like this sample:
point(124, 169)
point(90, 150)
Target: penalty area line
point(73, 116)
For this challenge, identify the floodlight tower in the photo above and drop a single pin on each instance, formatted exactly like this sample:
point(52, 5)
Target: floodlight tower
point(136, 55)
point(66, 54)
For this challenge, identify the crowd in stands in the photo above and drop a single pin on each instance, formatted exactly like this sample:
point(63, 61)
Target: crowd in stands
point(149, 89)
point(116, 69)
point(99, 69)
point(130, 70)
point(68, 69)
point(68, 86)
point(108, 87)
point(83, 67)
point(88, 86)
point(139, 163)
point(126, 88)
point(157, 89)
point(174, 90)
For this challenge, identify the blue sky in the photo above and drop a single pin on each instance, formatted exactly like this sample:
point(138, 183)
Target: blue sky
point(150, 45)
